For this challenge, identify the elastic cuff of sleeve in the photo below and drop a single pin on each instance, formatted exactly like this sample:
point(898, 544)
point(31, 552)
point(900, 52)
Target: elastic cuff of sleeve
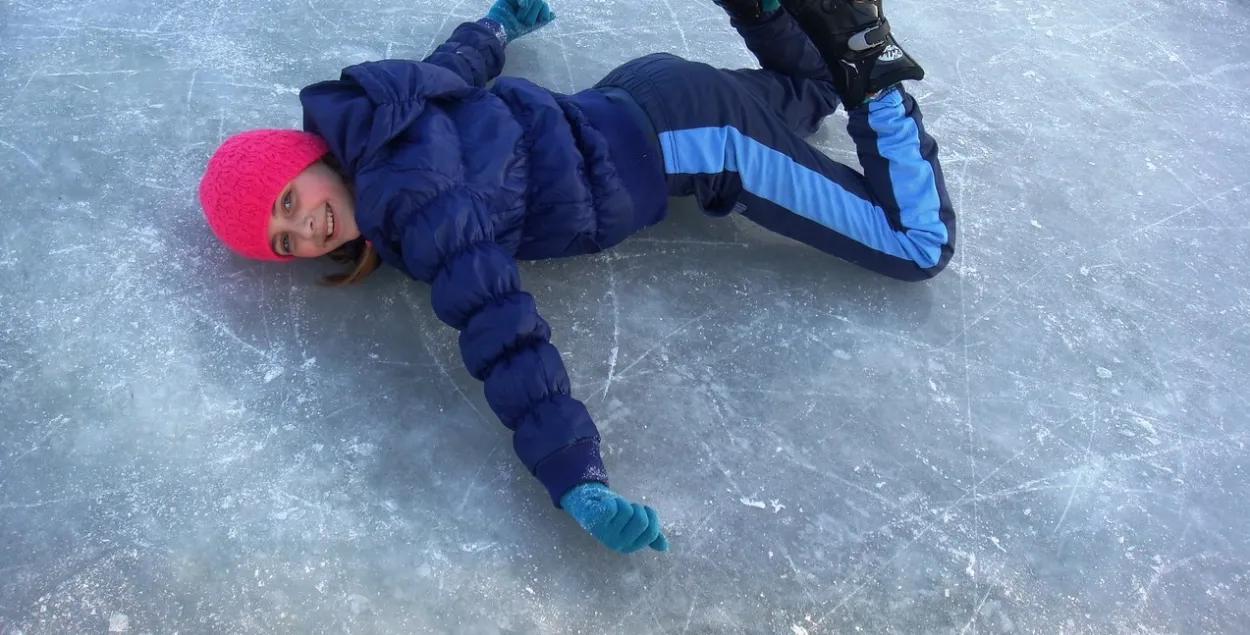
point(575, 464)
point(496, 28)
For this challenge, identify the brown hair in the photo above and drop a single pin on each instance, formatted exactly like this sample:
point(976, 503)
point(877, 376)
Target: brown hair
point(360, 253)
point(363, 263)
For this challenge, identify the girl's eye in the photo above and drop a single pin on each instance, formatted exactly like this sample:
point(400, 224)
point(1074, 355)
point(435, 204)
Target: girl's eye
point(286, 201)
point(286, 244)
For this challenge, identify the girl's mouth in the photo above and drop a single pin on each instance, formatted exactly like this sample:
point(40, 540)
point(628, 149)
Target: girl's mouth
point(329, 222)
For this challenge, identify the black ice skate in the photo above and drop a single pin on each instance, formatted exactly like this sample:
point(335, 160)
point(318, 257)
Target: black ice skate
point(853, 37)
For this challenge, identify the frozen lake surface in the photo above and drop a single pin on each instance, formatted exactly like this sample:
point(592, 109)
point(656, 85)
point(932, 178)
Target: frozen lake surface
point(1048, 438)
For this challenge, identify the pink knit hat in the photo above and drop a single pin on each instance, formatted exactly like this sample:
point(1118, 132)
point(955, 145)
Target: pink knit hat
point(243, 179)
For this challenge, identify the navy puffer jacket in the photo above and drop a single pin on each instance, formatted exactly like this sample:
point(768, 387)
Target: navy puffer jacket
point(455, 182)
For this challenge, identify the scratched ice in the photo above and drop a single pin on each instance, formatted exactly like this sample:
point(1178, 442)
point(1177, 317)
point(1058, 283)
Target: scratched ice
point(1049, 438)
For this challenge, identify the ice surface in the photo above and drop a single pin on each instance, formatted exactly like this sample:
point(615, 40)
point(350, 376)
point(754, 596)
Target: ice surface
point(1049, 438)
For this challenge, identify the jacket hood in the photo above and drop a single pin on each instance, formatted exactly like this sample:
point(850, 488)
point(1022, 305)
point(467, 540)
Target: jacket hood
point(372, 103)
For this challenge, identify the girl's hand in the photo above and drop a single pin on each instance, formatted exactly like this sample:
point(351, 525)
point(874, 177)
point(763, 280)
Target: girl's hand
point(612, 520)
point(519, 17)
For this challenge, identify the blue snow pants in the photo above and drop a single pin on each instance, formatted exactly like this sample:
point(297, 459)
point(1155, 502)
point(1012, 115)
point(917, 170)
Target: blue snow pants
point(735, 140)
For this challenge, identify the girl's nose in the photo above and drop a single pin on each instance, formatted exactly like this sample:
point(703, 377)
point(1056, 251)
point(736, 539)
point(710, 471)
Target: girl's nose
point(306, 227)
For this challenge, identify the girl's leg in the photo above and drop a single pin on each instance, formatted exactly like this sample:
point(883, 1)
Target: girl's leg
point(724, 143)
point(895, 219)
point(782, 47)
point(793, 80)
point(733, 154)
point(801, 103)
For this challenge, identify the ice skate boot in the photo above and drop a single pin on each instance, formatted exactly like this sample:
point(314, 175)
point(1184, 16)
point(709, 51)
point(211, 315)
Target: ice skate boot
point(876, 74)
point(853, 37)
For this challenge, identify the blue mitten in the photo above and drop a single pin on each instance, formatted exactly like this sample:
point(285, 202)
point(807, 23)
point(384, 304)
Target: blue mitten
point(612, 520)
point(518, 17)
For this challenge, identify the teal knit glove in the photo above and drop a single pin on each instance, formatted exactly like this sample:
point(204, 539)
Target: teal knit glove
point(612, 520)
point(518, 17)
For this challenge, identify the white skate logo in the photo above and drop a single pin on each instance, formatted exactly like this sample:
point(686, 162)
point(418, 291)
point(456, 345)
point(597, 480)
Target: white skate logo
point(891, 53)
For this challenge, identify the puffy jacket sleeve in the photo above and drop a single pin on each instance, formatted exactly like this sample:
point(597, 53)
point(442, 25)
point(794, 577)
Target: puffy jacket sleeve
point(448, 241)
point(475, 52)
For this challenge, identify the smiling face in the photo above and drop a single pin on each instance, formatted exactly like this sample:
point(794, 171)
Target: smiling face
point(313, 215)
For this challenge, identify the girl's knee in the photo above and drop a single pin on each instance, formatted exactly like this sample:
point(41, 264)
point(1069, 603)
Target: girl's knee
point(914, 272)
point(924, 274)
